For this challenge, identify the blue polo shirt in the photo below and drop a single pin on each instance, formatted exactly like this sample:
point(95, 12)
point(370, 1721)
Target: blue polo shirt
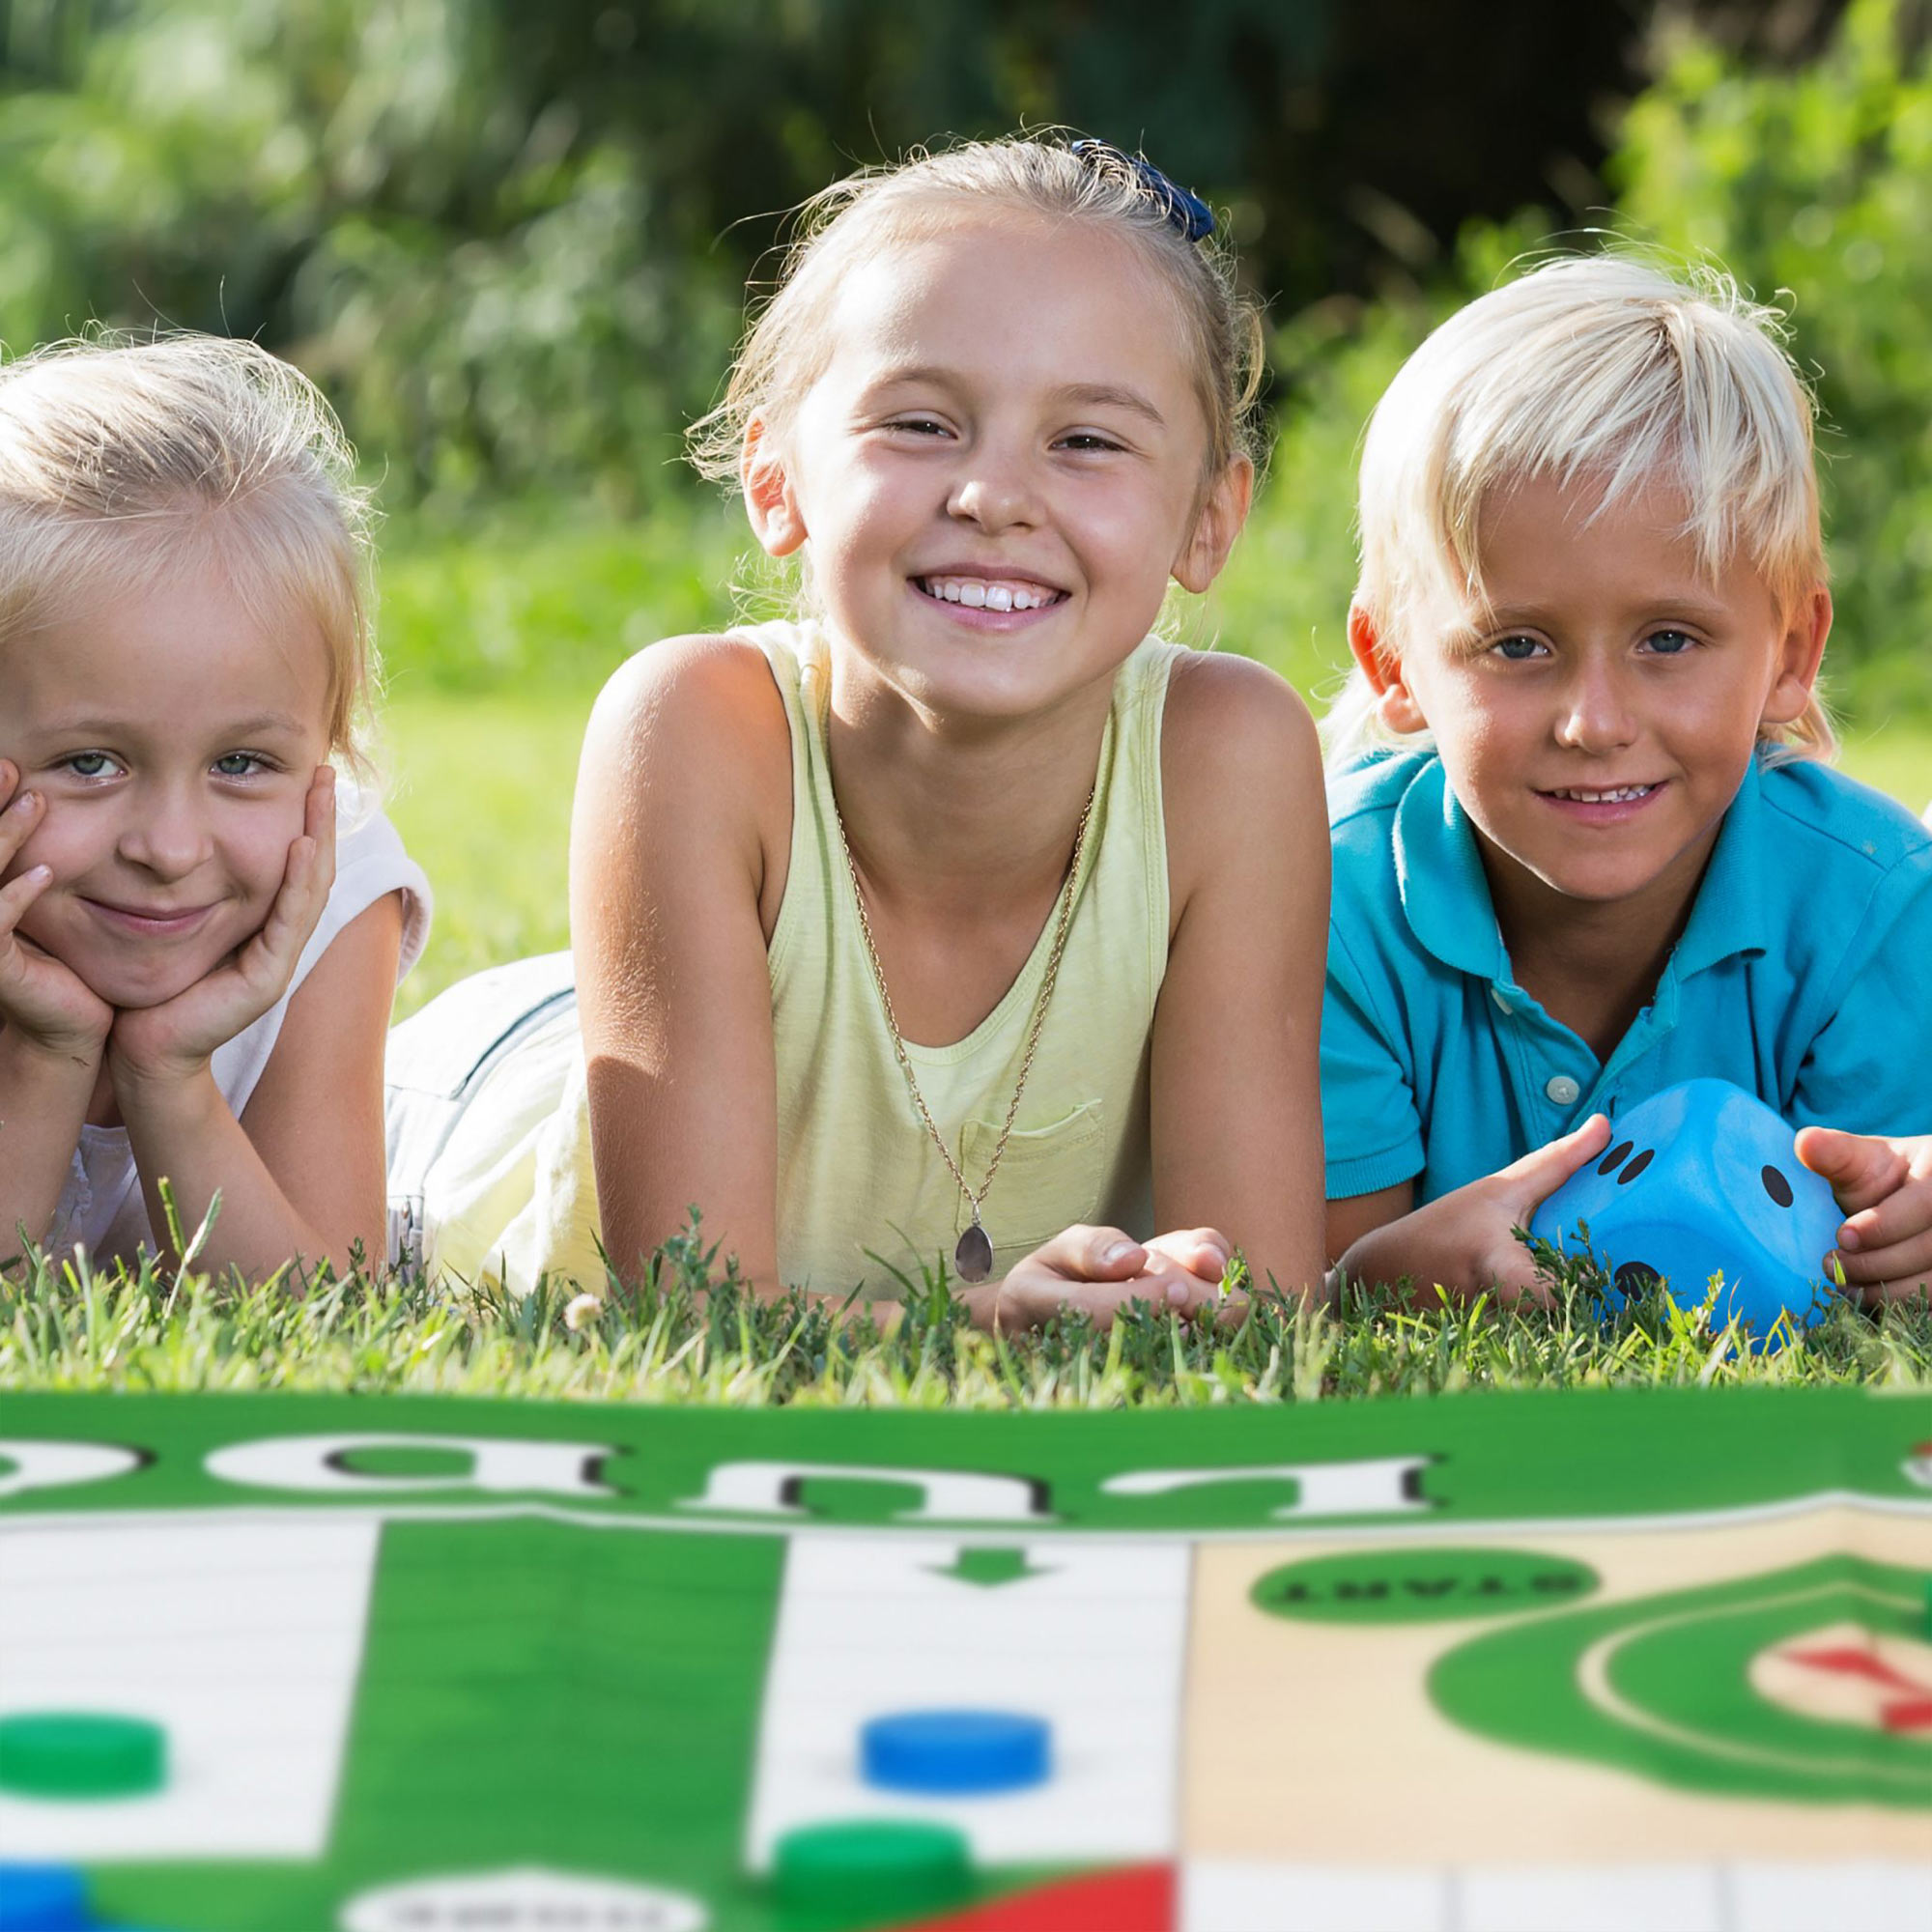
point(1803, 975)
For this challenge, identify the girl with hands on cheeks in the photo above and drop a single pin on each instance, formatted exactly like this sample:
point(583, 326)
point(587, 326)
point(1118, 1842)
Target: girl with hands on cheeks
point(1588, 842)
point(930, 925)
point(194, 977)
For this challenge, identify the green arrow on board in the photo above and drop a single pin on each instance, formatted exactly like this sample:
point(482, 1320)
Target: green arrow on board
point(990, 1568)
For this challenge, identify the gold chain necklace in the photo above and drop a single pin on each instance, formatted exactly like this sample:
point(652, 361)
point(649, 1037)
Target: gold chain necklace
point(973, 1257)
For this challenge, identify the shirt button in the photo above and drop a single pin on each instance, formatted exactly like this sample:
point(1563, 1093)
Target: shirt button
point(1563, 1089)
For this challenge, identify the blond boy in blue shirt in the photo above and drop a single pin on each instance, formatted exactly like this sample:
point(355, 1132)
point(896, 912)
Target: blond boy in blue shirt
point(1586, 846)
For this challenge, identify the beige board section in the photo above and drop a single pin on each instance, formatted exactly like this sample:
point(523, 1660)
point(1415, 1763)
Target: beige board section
point(1318, 1741)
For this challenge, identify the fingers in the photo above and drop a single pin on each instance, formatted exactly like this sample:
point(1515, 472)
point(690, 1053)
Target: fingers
point(1089, 1254)
point(1900, 1268)
point(1204, 1252)
point(1861, 1168)
point(319, 817)
point(17, 895)
point(19, 816)
point(1529, 1181)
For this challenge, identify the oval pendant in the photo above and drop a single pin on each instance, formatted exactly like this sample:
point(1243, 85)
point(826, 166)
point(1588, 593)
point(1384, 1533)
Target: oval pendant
point(974, 1255)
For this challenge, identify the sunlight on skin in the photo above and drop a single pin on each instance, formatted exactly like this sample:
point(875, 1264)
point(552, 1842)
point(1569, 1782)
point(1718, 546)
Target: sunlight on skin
point(480, 792)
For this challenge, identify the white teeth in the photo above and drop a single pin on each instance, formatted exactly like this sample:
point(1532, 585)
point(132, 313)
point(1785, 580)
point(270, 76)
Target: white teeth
point(1621, 796)
point(980, 594)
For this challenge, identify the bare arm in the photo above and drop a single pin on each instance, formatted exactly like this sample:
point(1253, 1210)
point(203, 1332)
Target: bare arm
point(677, 846)
point(53, 1033)
point(300, 1173)
point(1355, 1216)
point(1236, 1067)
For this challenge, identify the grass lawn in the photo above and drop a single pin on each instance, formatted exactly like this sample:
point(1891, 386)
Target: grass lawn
point(145, 1331)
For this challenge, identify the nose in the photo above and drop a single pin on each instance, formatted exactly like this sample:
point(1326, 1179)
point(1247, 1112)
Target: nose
point(1595, 714)
point(996, 489)
point(167, 833)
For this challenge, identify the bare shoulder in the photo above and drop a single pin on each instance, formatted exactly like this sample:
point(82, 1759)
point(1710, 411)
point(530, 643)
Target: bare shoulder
point(701, 696)
point(1234, 709)
point(687, 762)
point(1239, 754)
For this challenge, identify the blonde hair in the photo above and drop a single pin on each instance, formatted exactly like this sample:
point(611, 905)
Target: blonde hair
point(1596, 368)
point(119, 461)
point(786, 347)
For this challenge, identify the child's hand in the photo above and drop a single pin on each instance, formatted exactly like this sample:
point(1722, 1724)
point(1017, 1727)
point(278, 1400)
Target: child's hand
point(155, 1044)
point(39, 998)
point(1097, 1269)
point(1885, 1186)
point(1465, 1240)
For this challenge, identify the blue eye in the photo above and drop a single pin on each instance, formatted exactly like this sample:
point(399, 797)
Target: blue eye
point(89, 764)
point(1516, 650)
point(1669, 644)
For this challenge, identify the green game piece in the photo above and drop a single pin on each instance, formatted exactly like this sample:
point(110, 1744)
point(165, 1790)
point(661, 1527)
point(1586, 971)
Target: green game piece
point(81, 1754)
point(879, 1866)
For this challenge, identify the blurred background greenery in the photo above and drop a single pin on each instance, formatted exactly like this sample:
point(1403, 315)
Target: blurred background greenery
point(513, 243)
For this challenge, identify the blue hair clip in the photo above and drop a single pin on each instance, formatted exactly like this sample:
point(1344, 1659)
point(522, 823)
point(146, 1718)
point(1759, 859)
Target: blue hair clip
point(1184, 210)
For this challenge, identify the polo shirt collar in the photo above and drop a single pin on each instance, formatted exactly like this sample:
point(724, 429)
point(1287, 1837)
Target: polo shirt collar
point(1731, 912)
point(1445, 892)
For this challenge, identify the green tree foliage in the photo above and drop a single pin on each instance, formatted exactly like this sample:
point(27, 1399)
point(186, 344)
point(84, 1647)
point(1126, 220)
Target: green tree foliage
point(1814, 188)
point(513, 240)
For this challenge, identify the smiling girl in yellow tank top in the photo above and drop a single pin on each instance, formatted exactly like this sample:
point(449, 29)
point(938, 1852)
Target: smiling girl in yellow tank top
point(965, 921)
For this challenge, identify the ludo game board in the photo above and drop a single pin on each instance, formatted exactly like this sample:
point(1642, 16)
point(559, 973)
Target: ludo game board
point(1477, 1663)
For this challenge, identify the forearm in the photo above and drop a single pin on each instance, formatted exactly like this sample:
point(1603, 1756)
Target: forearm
point(43, 1099)
point(183, 1130)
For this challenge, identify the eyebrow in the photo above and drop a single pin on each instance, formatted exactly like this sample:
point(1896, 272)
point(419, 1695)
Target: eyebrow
point(1111, 395)
point(1088, 395)
point(1672, 601)
point(97, 725)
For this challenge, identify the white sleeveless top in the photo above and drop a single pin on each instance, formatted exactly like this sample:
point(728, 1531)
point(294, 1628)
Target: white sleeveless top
point(102, 1207)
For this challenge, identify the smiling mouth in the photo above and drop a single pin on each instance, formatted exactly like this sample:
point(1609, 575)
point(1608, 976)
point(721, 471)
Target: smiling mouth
point(150, 920)
point(990, 593)
point(1611, 795)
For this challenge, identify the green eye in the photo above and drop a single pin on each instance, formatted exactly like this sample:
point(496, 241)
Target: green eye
point(238, 765)
point(90, 764)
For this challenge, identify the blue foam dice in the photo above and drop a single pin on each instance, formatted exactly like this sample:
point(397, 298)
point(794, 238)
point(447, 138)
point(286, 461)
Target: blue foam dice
point(1698, 1178)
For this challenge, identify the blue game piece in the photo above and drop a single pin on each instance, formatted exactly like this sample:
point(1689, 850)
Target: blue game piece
point(954, 1753)
point(43, 1899)
point(1697, 1178)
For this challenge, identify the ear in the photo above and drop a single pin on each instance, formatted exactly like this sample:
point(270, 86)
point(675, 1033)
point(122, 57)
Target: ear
point(1800, 652)
point(1395, 702)
point(1216, 526)
point(770, 501)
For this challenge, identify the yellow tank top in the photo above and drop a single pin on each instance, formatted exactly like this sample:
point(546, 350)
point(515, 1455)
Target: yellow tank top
point(861, 1188)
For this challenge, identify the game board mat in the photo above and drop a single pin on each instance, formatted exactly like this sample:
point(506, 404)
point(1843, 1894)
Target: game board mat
point(1454, 1663)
